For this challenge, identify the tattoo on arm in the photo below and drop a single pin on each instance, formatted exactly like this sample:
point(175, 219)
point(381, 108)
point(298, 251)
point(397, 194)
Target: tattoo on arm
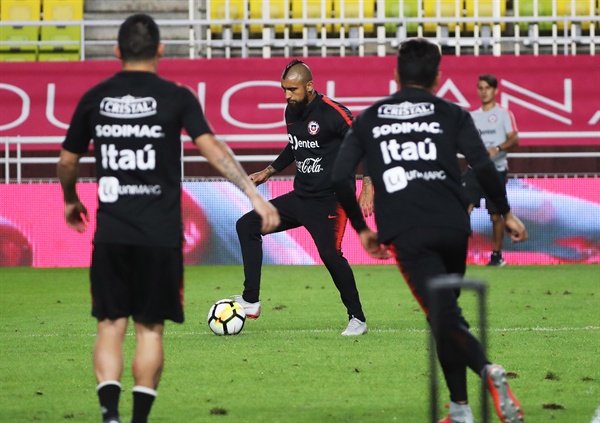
point(270, 170)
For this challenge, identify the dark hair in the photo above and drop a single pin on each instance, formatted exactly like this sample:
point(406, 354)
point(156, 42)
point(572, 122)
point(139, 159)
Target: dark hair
point(418, 62)
point(490, 79)
point(304, 70)
point(139, 38)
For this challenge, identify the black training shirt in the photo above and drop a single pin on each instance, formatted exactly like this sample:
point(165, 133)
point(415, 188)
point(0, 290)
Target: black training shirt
point(135, 120)
point(315, 137)
point(411, 140)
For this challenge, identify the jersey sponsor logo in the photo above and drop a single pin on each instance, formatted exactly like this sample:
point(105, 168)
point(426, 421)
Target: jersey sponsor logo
point(397, 178)
point(408, 151)
point(125, 159)
point(405, 110)
point(127, 131)
point(109, 189)
point(309, 165)
point(406, 128)
point(487, 131)
point(128, 107)
point(296, 143)
point(313, 127)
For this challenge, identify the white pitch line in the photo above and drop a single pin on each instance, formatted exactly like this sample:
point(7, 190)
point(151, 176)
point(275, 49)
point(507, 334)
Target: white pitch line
point(409, 330)
point(596, 418)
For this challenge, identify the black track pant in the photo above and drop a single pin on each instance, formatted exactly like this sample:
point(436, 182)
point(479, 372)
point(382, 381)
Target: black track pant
point(325, 220)
point(423, 253)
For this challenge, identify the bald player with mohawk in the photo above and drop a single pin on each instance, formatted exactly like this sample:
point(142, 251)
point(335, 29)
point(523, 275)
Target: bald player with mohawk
point(316, 126)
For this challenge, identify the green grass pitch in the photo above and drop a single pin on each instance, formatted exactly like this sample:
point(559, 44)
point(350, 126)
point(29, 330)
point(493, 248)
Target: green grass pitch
point(292, 365)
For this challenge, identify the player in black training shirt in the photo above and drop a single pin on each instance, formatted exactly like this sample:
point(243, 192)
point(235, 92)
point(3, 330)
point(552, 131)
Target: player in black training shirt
point(135, 119)
point(410, 141)
point(316, 126)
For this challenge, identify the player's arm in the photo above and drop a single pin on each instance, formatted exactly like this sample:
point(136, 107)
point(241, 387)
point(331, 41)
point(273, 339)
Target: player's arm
point(343, 183)
point(221, 157)
point(367, 193)
point(285, 158)
point(67, 170)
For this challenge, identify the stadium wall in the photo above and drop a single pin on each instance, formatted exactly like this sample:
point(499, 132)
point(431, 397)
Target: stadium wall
point(562, 216)
point(554, 98)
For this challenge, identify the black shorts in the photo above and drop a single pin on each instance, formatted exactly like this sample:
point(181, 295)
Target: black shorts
point(423, 253)
point(475, 191)
point(144, 282)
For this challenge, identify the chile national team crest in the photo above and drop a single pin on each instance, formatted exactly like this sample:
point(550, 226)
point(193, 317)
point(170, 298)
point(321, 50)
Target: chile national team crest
point(313, 127)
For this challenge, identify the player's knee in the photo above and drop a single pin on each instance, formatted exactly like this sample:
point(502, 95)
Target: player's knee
point(331, 257)
point(248, 224)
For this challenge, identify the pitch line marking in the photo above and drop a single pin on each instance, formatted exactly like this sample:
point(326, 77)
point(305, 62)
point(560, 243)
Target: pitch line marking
point(409, 330)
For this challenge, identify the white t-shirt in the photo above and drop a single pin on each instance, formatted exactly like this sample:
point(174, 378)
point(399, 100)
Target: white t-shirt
point(494, 126)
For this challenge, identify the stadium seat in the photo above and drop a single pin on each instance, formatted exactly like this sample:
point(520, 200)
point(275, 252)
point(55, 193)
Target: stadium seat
point(219, 10)
point(352, 10)
point(61, 10)
point(18, 56)
point(400, 9)
point(574, 8)
point(311, 9)
point(19, 10)
point(485, 8)
point(528, 8)
point(278, 9)
point(442, 9)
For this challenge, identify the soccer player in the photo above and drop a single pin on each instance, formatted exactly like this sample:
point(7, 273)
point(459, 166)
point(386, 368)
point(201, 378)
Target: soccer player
point(135, 119)
point(498, 131)
point(410, 141)
point(316, 126)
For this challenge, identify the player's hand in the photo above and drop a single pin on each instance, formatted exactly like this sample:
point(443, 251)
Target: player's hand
point(371, 244)
point(76, 216)
point(515, 228)
point(365, 200)
point(259, 177)
point(268, 213)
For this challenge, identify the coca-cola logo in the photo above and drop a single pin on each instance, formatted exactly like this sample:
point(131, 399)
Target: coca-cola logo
point(309, 165)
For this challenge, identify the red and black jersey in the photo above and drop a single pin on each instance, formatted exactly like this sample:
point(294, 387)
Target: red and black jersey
point(135, 120)
point(315, 137)
point(410, 141)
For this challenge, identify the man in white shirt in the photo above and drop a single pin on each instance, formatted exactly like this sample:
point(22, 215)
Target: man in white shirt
point(498, 131)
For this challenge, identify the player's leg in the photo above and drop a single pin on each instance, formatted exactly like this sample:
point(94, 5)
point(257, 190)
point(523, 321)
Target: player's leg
point(496, 258)
point(148, 364)
point(157, 282)
point(110, 294)
point(423, 253)
point(250, 235)
point(108, 365)
point(325, 220)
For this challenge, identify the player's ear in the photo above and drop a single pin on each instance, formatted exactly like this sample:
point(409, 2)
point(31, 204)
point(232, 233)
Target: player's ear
point(438, 78)
point(309, 87)
point(397, 76)
point(161, 50)
point(117, 52)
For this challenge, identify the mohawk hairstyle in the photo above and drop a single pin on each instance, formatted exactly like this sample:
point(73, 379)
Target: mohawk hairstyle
point(303, 70)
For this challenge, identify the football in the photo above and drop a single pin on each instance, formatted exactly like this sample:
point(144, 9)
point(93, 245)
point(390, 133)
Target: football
point(226, 317)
